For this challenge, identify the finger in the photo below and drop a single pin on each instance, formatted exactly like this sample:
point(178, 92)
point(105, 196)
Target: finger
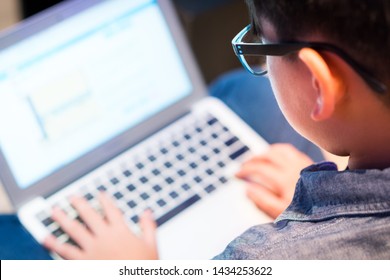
point(266, 175)
point(259, 159)
point(266, 200)
point(279, 155)
point(148, 227)
point(73, 228)
point(112, 212)
point(271, 157)
point(252, 167)
point(90, 216)
point(254, 163)
point(283, 152)
point(65, 250)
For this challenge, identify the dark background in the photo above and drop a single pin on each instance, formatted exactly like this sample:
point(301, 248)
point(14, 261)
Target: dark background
point(210, 26)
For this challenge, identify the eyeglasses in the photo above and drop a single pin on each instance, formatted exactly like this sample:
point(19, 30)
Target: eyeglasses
point(252, 55)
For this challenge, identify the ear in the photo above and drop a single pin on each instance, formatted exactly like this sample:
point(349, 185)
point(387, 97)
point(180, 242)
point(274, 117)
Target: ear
point(326, 82)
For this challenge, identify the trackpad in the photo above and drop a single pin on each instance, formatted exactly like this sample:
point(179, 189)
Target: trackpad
point(204, 230)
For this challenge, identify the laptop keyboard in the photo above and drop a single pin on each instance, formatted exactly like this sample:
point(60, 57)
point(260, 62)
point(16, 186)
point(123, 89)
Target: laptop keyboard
point(166, 175)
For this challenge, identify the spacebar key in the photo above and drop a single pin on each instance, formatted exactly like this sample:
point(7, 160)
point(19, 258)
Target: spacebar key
point(177, 209)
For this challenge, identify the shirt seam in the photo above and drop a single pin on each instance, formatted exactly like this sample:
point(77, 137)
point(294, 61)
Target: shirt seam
point(278, 244)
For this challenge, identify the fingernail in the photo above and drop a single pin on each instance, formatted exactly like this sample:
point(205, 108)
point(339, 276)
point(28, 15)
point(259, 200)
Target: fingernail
point(148, 213)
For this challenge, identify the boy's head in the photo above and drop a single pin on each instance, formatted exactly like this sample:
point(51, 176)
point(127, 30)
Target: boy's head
point(361, 28)
point(322, 93)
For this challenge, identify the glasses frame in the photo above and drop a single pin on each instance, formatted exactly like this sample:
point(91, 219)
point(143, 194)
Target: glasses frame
point(281, 49)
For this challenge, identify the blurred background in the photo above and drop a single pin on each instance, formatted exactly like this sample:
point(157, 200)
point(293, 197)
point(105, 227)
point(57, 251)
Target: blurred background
point(214, 22)
point(210, 26)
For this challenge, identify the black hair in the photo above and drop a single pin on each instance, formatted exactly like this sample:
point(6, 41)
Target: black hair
point(359, 27)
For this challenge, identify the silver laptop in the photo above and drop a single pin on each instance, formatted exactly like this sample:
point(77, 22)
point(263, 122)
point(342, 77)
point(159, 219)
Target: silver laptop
point(105, 96)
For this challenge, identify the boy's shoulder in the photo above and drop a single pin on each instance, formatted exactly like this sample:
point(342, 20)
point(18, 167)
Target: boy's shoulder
point(337, 238)
point(333, 215)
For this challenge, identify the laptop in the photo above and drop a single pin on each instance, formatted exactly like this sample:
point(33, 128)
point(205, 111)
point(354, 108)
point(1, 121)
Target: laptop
point(106, 96)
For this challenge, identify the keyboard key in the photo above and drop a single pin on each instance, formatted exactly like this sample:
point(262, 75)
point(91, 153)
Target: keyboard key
point(231, 141)
point(58, 232)
point(210, 188)
point(221, 164)
point(214, 135)
point(143, 180)
point(203, 142)
point(193, 165)
point(168, 164)
point(127, 173)
point(132, 204)
point(164, 151)
point(197, 179)
point(161, 202)
point(205, 158)
point(71, 242)
point(238, 153)
point(140, 165)
point(169, 180)
point(176, 143)
point(157, 188)
point(114, 181)
point(131, 187)
point(212, 121)
point(179, 157)
point(88, 196)
point(118, 195)
point(144, 196)
point(209, 171)
point(191, 150)
point(223, 180)
point(152, 158)
point(47, 222)
point(216, 151)
point(102, 188)
point(186, 187)
point(173, 194)
point(135, 219)
point(187, 136)
point(181, 172)
point(156, 172)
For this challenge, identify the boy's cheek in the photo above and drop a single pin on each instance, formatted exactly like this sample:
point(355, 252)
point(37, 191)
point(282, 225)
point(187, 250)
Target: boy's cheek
point(294, 93)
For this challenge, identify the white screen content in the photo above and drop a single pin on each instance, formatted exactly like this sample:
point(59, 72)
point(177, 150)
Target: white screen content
point(80, 83)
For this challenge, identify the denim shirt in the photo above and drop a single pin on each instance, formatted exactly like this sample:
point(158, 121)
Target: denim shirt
point(333, 215)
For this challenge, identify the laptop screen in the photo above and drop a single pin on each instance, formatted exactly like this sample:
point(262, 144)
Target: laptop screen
point(83, 81)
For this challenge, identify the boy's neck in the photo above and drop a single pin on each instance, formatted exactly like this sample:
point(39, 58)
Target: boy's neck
point(375, 157)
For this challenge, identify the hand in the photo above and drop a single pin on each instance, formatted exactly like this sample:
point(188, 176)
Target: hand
point(272, 177)
point(103, 238)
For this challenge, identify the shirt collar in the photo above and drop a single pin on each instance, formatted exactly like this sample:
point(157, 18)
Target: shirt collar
point(322, 193)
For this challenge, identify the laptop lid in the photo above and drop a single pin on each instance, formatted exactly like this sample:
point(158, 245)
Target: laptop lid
point(83, 81)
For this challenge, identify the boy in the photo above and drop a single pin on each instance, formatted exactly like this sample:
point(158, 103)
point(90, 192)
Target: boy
point(328, 63)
